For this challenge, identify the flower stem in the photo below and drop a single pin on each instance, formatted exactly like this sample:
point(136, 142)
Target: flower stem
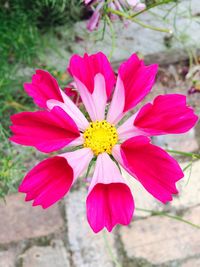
point(117, 264)
point(150, 26)
point(113, 36)
point(129, 17)
point(175, 217)
point(186, 154)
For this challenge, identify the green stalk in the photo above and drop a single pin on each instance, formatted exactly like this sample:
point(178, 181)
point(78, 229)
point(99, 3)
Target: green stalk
point(113, 36)
point(175, 217)
point(129, 17)
point(186, 154)
point(117, 264)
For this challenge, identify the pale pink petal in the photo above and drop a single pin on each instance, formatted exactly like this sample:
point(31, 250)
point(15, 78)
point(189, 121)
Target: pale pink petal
point(78, 160)
point(94, 20)
point(99, 96)
point(47, 131)
point(139, 7)
point(168, 114)
point(77, 142)
point(87, 67)
point(48, 181)
point(71, 109)
point(87, 1)
point(115, 112)
point(132, 2)
point(42, 88)
point(116, 153)
point(128, 130)
point(109, 200)
point(157, 171)
point(95, 103)
point(137, 79)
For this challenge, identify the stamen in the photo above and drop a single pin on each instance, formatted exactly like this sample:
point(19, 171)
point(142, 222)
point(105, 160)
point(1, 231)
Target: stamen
point(100, 136)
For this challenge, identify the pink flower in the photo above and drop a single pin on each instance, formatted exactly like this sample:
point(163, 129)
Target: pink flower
point(61, 124)
point(97, 6)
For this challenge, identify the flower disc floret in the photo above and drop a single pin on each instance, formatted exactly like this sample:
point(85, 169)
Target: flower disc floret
point(100, 136)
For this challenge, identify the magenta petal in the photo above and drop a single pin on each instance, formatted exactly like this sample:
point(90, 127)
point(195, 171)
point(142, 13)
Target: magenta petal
point(46, 130)
point(169, 114)
point(42, 88)
point(108, 205)
point(138, 80)
point(109, 200)
point(152, 166)
point(48, 181)
point(85, 69)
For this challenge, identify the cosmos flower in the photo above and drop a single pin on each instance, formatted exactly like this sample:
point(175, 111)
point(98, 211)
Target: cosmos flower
point(97, 7)
point(101, 136)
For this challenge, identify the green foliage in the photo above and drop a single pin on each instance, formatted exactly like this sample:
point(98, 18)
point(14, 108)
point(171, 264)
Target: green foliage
point(22, 26)
point(10, 165)
point(14, 163)
point(57, 12)
point(22, 21)
point(12, 98)
point(159, 2)
point(18, 38)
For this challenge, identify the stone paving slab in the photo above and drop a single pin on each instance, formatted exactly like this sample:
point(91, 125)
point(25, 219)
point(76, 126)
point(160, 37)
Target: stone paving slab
point(189, 188)
point(19, 220)
point(184, 142)
point(141, 197)
point(88, 249)
point(189, 192)
point(191, 263)
point(7, 258)
point(159, 240)
point(50, 256)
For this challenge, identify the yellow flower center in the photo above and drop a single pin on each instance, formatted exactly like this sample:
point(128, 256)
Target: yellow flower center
point(100, 136)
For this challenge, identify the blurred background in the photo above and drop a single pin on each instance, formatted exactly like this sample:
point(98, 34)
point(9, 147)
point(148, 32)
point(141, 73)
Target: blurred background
point(43, 35)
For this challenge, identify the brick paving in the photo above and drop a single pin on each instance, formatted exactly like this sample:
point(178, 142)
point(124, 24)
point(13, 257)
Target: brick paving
point(88, 249)
point(160, 240)
point(61, 237)
point(7, 258)
point(48, 256)
point(19, 221)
